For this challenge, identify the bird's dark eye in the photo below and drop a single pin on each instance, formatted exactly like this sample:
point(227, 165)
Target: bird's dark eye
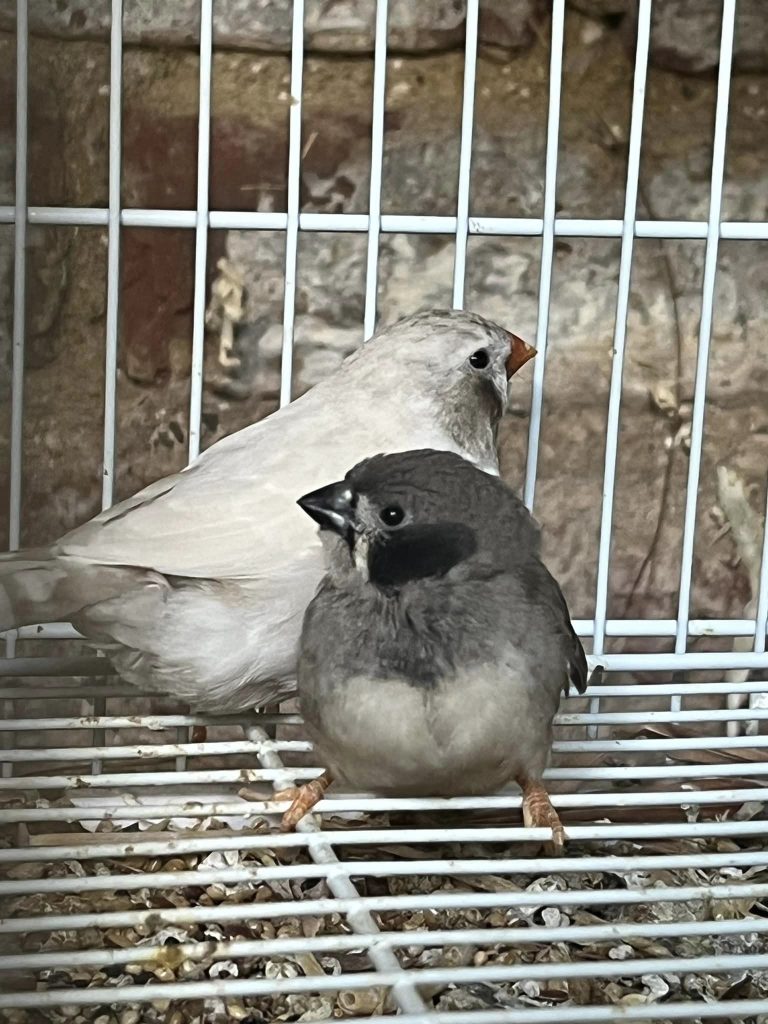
point(392, 515)
point(479, 359)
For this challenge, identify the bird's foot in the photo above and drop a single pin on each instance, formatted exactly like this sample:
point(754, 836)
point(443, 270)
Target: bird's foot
point(303, 799)
point(538, 812)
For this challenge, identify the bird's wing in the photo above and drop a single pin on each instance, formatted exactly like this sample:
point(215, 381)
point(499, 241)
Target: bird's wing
point(541, 616)
point(532, 613)
point(233, 512)
point(576, 659)
point(216, 518)
point(542, 594)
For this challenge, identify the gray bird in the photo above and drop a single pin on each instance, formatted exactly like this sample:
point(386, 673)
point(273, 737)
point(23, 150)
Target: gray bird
point(197, 585)
point(435, 651)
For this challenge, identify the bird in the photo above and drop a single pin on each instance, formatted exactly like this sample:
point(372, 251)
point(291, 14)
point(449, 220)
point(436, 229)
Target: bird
point(196, 586)
point(435, 651)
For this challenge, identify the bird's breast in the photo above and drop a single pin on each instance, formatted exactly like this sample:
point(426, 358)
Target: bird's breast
point(470, 733)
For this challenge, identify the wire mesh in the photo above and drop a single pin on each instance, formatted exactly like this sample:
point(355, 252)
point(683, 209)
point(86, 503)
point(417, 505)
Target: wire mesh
point(143, 876)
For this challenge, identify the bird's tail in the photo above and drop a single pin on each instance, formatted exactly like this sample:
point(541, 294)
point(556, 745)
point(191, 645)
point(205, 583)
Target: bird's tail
point(39, 585)
point(30, 588)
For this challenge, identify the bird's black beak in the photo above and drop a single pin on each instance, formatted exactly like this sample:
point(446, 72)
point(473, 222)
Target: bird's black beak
point(332, 507)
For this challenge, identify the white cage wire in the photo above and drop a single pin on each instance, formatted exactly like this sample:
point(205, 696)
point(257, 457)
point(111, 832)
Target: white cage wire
point(354, 907)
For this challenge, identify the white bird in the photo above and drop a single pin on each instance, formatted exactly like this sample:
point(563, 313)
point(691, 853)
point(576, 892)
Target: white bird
point(197, 585)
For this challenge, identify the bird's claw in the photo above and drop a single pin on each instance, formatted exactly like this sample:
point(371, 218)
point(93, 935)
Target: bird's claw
point(538, 812)
point(303, 799)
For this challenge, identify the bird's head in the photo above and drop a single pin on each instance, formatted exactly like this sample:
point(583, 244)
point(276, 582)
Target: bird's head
point(411, 516)
point(452, 364)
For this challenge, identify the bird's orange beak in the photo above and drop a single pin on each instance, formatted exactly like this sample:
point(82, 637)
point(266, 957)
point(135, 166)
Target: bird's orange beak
point(519, 354)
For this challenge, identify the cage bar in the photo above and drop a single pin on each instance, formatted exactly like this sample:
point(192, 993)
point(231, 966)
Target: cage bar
point(113, 252)
point(393, 868)
point(414, 224)
point(377, 159)
point(547, 248)
point(636, 832)
point(583, 627)
point(465, 154)
point(19, 282)
point(620, 331)
point(761, 613)
point(620, 327)
point(380, 904)
point(705, 326)
point(676, 772)
point(201, 226)
point(330, 943)
point(294, 181)
point(363, 980)
point(111, 811)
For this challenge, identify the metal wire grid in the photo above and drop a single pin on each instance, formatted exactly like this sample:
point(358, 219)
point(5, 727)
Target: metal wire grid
point(176, 766)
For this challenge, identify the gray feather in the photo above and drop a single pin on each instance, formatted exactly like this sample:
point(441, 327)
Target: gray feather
point(446, 683)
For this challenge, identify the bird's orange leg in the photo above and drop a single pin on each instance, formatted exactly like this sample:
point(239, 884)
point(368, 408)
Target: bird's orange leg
point(538, 812)
point(303, 800)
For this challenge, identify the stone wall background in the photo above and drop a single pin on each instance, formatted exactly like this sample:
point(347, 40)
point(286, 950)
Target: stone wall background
point(69, 73)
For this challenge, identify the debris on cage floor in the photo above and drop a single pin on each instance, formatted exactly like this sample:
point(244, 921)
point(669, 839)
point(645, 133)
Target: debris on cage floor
point(263, 909)
point(173, 962)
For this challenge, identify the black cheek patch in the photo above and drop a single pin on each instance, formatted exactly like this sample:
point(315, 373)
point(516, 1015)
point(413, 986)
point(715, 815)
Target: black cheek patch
point(417, 552)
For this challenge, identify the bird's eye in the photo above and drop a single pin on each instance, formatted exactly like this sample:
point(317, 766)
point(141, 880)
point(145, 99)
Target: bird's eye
point(392, 515)
point(479, 359)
